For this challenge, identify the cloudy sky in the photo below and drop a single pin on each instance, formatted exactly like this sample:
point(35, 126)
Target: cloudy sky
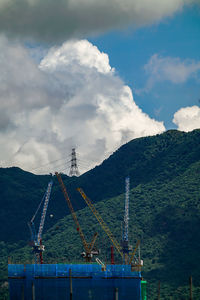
point(94, 75)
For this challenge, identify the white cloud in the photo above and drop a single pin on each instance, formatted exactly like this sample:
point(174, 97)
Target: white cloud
point(71, 99)
point(171, 69)
point(77, 54)
point(187, 118)
point(62, 19)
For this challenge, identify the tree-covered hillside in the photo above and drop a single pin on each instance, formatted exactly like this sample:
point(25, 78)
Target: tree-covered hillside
point(164, 210)
point(159, 158)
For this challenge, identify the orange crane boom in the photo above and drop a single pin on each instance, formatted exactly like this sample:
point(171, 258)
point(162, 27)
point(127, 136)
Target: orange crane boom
point(134, 252)
point(106, 228)
point(87, 248)
point(101, 221)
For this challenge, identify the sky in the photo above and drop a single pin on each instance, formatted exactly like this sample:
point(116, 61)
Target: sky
point(94, 75)
point(142, 57)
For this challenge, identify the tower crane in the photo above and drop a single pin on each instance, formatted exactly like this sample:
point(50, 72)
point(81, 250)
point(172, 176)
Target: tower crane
point(88, 248)
point(101, 221)
point(125, 243)
point(36, 237)
point(107, 230)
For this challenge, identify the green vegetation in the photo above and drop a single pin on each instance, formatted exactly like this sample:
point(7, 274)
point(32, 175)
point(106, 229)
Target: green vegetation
point(164, 211)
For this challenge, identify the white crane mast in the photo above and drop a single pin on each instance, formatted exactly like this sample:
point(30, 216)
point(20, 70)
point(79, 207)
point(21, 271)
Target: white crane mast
point(126, 214)
point(46, 201)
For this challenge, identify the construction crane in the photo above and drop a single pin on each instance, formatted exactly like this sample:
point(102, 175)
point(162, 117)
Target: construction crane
point(36, 238)
point(134, 252)
point(125, 243)
point(88, 248)
point(107, 230)
point(101, 221)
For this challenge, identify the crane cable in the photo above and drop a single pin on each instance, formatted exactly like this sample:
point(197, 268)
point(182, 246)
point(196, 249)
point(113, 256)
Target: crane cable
point(34, 216)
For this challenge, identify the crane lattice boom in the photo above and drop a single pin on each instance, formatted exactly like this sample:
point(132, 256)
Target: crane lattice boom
point(106, 228)
point(87, 248)
point(36, 238)
point(101, 221)
point(46, 201)
point(126, 214)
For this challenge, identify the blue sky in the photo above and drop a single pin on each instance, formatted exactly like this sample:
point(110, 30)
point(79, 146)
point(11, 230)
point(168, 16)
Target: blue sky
point(176, 36)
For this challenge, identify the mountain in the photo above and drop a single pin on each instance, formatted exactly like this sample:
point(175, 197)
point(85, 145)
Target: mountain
point(164, 210)
point(158, 158)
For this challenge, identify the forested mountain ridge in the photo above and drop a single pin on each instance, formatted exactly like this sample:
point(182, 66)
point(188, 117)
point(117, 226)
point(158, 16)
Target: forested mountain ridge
point(158, 158)
point(164, 210)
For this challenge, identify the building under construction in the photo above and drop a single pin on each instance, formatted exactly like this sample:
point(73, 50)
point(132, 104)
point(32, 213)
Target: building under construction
point(89, 280)
point(73, 281)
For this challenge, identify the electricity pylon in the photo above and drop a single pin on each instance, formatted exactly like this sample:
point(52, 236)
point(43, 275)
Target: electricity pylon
point(74, 167)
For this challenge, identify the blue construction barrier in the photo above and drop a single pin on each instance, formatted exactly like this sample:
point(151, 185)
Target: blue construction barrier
point(89, 281)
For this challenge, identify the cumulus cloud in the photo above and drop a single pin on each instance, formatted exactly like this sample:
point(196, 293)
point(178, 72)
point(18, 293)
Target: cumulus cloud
point(171, 69)
point(73, 98)
point(187, 118)
point(62, 19)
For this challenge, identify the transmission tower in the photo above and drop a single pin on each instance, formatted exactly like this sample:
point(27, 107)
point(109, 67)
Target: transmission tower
point(74, 167)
